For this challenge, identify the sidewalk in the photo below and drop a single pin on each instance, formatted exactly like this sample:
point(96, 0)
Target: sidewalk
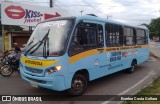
point(155, 48)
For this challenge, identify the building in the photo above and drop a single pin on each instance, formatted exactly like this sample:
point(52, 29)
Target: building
point(19, 37)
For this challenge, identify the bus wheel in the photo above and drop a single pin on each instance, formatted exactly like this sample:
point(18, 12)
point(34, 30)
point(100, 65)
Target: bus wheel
point(132, 68)
point(78, 85)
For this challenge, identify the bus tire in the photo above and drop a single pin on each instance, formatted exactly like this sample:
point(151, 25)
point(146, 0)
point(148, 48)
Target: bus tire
point(132, 68)
point(78, 86)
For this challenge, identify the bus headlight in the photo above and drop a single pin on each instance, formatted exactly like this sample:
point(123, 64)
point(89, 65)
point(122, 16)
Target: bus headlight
point(52, 70)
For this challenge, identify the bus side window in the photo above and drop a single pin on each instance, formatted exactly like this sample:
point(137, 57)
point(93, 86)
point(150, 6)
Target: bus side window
point(141, 37)
point(100, 36)
point(114, 35)
point(129, 36)
point(82, 34)
point(86, 37)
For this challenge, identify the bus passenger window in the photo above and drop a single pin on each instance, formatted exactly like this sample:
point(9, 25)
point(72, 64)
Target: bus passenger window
point(86, 37)
point(129, 36)
point(82, 34)
point(114, 35)
point(141, 37)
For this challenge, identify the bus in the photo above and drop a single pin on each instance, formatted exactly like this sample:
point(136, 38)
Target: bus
point(65, 53)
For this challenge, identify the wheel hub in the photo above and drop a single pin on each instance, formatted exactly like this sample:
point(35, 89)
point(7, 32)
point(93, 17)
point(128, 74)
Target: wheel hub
point(77, 85)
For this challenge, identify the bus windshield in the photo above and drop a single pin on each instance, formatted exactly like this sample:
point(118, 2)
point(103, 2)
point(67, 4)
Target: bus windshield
point(49, 38)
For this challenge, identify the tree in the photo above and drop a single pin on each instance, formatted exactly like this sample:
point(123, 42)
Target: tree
point(12, 28)
point(154, 27)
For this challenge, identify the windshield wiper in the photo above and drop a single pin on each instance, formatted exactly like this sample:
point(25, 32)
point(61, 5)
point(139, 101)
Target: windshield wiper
point(30, 42)
point(31, 47)
point(46, 53)
point(39, 42)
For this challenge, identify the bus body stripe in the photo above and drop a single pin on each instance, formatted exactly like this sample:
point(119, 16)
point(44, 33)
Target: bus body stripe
point(88, 53)
point(83, 55)
point(37, 63)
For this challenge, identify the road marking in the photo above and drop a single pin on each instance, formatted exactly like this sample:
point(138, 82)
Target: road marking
point(127, 90)
point(152, 73)
point(152, 59)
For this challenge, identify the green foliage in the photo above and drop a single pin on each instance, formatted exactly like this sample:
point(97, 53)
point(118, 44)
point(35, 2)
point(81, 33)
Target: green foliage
point(151, 89)
point(154, 26)
point(12, 28)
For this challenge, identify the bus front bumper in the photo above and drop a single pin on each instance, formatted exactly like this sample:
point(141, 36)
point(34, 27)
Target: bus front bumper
point(50, 82)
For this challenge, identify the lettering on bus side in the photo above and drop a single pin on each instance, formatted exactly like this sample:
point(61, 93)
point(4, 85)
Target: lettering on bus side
point(115, 56)
point(114, 66)
point(129, 53)
point(125, 48)
point(137, 47)
point(33, 62)
point(111, 49)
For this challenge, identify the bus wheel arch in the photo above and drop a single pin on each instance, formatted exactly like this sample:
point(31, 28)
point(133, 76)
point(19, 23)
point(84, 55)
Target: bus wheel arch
point(133, 66)
point(83, 72)
point(79, 83)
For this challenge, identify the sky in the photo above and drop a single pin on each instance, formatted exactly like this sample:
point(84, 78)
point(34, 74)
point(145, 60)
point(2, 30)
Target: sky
point(133, 12)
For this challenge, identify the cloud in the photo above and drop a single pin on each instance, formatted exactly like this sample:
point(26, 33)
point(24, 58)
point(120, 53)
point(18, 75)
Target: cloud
point(130, 11)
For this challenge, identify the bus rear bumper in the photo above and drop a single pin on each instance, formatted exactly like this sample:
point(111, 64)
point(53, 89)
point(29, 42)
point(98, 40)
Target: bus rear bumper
point(50, 82)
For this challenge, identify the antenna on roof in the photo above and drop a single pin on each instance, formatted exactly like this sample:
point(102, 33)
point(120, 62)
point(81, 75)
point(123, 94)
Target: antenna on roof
point(81, 12)
point(92, 15)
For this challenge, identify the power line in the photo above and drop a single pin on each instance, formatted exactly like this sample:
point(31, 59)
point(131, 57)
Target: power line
point(93, 7)
point(30, 1)
point(27, 1)
point(96, 5)
point(57, 6)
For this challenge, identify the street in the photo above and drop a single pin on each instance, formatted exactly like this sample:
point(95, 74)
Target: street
point(155, 48)
point(88, 38)
point(120, 83)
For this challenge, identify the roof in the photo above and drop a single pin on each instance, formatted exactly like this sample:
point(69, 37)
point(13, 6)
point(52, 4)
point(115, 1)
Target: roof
point(95, 18)
point(19, 32)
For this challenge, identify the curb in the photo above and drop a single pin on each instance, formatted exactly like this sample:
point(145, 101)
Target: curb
point(153, 55)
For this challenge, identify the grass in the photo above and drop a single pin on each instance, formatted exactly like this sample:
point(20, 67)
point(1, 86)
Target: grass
point(152, 89)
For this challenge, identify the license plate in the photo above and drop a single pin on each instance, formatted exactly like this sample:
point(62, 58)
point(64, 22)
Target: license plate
point(34, 85)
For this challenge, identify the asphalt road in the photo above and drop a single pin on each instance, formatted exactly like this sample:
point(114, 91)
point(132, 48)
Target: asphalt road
point(119, 83)
point(155, 49)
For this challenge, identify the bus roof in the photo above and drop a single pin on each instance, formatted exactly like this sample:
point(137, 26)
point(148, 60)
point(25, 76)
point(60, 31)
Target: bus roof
point(95, 18)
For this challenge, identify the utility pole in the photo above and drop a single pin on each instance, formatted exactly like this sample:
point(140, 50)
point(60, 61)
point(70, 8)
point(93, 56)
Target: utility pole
point(81, 12)
point(51, 3)
point(108, 16)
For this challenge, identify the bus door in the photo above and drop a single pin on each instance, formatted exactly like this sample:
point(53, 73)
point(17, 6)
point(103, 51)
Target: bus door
point(85, 49)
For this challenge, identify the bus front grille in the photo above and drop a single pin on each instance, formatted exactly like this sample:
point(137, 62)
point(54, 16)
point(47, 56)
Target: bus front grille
point(36, 80)
point(34, 70)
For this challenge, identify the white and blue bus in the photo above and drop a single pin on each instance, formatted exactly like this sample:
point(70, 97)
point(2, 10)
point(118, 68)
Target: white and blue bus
point(66, 53)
